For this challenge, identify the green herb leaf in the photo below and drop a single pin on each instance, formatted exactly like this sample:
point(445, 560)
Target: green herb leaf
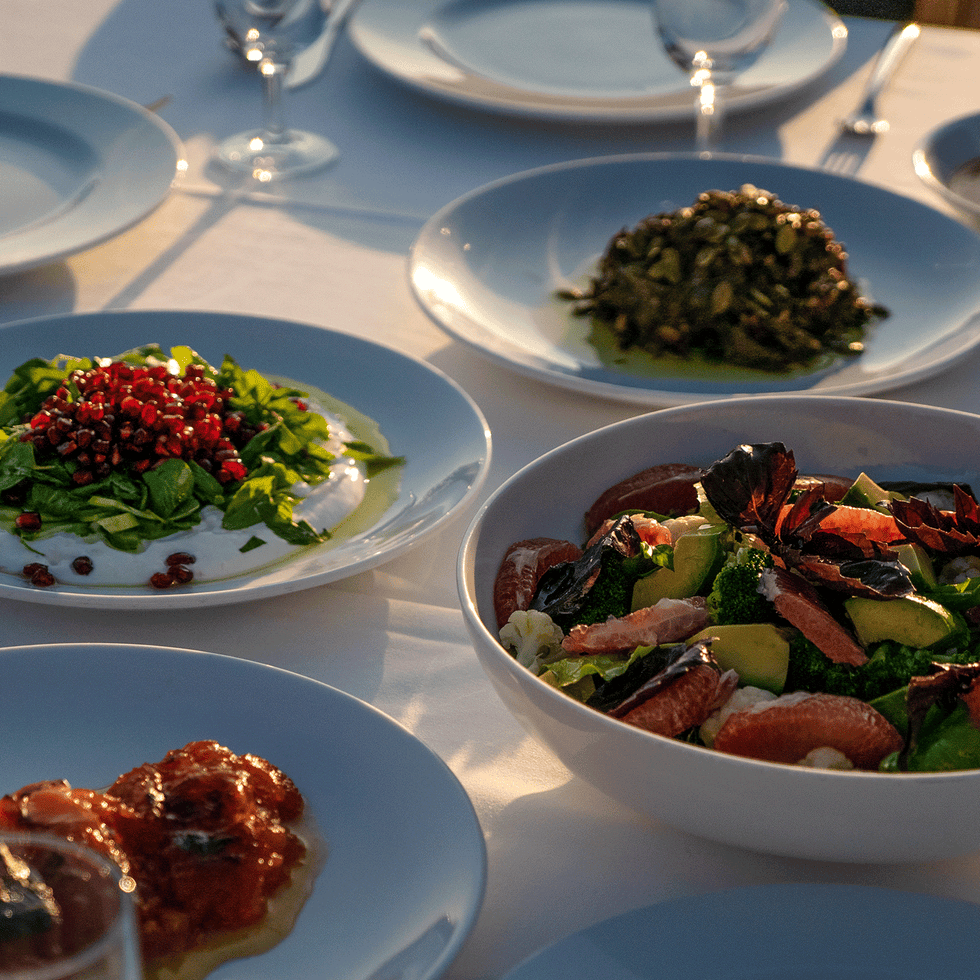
point(171, 484)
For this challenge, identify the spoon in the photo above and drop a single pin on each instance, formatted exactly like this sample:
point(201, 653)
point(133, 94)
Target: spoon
point(865, 121)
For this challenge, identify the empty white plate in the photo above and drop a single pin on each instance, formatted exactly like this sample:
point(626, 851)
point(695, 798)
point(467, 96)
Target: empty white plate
point(77, 167)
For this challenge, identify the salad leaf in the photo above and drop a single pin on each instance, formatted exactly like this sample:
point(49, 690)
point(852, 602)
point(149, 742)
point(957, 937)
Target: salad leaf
point(170, 484)
point(32, 382)
point(601, 666)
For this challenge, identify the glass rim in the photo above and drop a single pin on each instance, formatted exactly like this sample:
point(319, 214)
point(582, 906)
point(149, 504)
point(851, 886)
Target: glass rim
point(121, 928)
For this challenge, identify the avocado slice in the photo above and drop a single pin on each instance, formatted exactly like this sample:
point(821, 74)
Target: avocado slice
point(864, 492)
point(894, 707)
point(915, 558)
point(910, 620)
point(758, 652)
point(697, 557)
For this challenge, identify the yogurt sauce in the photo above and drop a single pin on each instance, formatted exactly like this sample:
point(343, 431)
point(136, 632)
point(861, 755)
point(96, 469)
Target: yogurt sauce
point(217, 552)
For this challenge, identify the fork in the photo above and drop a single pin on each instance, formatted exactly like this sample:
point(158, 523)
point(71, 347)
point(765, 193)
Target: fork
point(858, 130)
point(865, 121)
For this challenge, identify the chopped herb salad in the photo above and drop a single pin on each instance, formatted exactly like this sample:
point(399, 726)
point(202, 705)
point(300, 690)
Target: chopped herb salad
point(135, 448)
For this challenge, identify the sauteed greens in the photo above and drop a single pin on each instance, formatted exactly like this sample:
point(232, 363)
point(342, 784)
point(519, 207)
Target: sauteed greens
point(738, 277)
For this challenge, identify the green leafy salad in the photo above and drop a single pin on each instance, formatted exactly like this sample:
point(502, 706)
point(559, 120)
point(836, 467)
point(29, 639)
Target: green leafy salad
point(129, 449)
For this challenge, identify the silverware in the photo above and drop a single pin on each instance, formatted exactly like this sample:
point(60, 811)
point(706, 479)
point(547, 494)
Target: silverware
point(865, 121)
point(157, 104)
point(311, 62)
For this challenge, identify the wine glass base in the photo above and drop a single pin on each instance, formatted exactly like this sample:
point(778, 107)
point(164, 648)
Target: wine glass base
point(292, 154)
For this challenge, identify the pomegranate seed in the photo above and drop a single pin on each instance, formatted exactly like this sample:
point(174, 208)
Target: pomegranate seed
point(181, 575)
point(130, 405)
point(39, 575)
point(161, 580)
point(180, 558)
point(28, 521)
point(82, 565)
point(125, 417)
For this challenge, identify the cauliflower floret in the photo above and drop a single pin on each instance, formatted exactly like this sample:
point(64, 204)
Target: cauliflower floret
point(960, 569)
point(678, 526)
point(826, 758)
point(742, 699)
point(533, 638)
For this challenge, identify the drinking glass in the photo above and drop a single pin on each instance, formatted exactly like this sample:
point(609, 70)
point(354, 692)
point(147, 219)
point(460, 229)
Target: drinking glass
point(269, 33)
point(66, 912)
point(713, 41)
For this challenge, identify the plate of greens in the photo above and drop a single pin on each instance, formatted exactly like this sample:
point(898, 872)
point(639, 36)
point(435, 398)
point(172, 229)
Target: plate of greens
point(175, 459)
point(492, 267)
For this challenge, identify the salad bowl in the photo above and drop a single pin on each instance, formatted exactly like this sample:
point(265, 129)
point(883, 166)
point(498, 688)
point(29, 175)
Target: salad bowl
point(821, 814)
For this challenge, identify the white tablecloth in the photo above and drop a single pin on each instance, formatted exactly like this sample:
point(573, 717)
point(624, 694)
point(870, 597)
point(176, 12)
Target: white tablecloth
point(332, 251)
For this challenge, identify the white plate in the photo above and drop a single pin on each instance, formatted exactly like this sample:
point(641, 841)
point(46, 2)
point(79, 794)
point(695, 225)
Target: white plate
point(387, 807)
point(807, 932)
point(444, 436)
point(576, 60)
point(77, 167)
point(948, 161)
point(486, 268)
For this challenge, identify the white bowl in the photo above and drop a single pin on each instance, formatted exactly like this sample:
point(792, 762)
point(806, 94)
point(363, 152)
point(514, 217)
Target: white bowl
point(948, 161)
point(780, 809)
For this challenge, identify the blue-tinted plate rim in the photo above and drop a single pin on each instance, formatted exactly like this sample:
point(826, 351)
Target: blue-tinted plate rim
point(404, 50)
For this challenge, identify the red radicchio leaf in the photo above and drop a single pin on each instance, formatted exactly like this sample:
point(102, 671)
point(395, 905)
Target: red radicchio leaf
point(749, 489)
point(679, 660)
point(802, 519)
point(948, 532)
point(749, 486)
point(943, 685)
point(875, 579)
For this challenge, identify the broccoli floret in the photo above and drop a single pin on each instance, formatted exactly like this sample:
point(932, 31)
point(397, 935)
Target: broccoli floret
point(612, 593)
point(735, 596)
point(890, 666)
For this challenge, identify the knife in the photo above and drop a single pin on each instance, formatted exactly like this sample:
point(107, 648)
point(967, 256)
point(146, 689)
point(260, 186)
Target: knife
point(311, 62)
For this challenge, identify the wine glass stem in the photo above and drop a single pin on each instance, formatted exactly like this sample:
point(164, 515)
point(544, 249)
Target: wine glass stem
point(275, 117)
point(708, 117)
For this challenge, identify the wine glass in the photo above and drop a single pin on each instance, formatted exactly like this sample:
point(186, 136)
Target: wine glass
point(713, 41)
point(269, 33)
point(66, 912)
